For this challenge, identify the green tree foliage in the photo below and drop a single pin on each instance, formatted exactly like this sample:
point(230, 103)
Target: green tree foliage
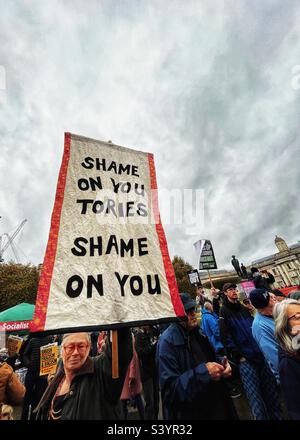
point(18, 284)
point(181, 268)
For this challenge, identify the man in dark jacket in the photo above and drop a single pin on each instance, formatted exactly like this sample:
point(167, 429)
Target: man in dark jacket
point(145, 345)
point(236, 335)
point(217, 300)
point(191, 380)
point(84, 388)
point(34, 383)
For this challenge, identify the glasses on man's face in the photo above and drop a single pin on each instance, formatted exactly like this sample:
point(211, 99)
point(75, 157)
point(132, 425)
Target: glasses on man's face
point(296, 316)
point(69, 348)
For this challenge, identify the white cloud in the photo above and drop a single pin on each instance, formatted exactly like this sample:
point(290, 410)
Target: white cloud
point(205, 87)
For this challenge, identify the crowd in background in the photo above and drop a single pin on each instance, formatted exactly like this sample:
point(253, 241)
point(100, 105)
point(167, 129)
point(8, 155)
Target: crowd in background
point(194, 367)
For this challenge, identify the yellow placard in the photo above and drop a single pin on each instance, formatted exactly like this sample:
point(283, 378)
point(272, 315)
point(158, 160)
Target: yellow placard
point(49, 359)
point(14, 344)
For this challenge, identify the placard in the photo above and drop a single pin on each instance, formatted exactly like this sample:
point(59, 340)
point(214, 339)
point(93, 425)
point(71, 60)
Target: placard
point(14, 344)
point(206, 255)
point(107, 263)
point(194, 278)
point(49, 359)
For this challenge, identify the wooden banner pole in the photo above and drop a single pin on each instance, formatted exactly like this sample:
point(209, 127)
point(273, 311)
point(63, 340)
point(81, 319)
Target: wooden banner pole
point(211, 283)
point(115, 354)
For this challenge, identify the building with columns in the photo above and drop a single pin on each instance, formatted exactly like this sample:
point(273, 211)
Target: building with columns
point(284, 265)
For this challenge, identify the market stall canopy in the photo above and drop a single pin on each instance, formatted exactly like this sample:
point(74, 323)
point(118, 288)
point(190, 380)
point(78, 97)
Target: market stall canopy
point(17, 318)
point(20, 312)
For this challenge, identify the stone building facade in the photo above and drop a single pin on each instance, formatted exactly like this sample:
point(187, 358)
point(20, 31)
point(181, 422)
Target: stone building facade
point(284, 265)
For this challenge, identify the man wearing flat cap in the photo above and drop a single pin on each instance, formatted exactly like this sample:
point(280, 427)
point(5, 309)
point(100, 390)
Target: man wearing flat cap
point(236, 335)
point(192, 380)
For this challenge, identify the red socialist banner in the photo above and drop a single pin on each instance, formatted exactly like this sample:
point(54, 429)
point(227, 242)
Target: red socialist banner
point(14, 326)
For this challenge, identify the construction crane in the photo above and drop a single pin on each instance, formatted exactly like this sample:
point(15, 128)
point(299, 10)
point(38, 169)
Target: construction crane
point(9, 242)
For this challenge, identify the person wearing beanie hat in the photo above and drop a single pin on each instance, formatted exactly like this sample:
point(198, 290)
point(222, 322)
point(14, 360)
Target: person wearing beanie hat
point(192, 378)
point(236, 335)
point(259, 298)
point(263, 328)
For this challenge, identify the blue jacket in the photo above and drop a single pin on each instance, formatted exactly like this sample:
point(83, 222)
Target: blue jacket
point(263, 331)
point(210, 327)
point(188, 392)
point(236, 333)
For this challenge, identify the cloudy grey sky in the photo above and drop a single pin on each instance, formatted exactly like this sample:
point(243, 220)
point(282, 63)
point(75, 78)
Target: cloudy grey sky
point(207, 86)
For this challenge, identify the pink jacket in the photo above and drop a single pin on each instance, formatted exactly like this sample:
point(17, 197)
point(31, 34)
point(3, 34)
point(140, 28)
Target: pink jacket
point(133, 376)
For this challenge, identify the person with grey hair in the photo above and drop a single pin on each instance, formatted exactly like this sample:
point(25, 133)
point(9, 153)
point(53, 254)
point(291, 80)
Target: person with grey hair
point(294, 295)
point(83, 389)
point(287, 332)
point(210, 327)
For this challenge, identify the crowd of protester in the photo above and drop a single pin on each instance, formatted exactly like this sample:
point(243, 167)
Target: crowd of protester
point(248, 346)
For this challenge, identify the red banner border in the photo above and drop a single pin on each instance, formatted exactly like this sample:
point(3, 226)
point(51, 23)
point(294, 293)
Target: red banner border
point(41, 305)
point(169, 270)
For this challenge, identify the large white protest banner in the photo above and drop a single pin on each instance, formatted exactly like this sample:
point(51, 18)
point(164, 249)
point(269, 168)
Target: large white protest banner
point(107, 262)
